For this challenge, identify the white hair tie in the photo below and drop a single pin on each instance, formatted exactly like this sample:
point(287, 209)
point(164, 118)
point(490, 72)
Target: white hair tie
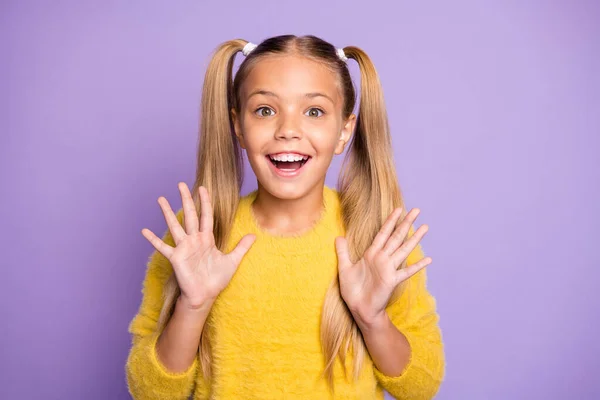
point(248, 48)
point(341, 54)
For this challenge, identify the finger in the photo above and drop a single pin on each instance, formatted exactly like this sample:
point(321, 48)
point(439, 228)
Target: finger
point(172, 222)
point(189, 209)
point(158, 244)
point(343, 253)
point(409, 245)
point(387, 228)
point(400, 232)
point(242, 248)
point(206, 211)
point(405, 273)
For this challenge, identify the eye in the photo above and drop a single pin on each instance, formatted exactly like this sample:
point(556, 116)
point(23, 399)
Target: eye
point(314, 112)
point(264, 111)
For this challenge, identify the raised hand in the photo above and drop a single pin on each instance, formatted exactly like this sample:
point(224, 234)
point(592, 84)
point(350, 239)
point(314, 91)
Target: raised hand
point(367, 286)
point(201, 269)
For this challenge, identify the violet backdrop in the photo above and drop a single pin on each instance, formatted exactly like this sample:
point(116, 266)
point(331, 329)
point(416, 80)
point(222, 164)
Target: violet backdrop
point(494, 108)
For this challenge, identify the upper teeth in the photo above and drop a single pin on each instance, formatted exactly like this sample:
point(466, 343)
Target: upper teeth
point(288, 157)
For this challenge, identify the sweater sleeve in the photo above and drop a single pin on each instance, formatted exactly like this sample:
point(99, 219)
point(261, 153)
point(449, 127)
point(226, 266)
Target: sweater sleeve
point(415, 315)
point(147, 378)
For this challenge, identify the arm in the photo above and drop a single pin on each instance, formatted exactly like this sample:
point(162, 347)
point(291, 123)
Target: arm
point(177, 346)
point(163, 365)
point(407, 349)
point(383, 339)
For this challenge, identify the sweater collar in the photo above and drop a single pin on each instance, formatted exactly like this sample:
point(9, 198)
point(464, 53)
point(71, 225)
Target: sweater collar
point(319, 233)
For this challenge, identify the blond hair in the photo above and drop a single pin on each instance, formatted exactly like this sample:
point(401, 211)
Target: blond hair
point(368, 185)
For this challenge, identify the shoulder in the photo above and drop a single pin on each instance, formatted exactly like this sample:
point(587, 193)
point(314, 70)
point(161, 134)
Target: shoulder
point(331, 196)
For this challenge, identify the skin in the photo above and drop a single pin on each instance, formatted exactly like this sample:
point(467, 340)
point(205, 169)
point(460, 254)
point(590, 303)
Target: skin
point(290, 118)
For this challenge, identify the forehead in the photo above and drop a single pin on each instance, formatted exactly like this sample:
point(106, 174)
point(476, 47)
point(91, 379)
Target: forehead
point(290, 75)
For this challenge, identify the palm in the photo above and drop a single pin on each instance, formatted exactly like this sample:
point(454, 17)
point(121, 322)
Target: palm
point(367, 286)
point(211, 269)
point(201, 269)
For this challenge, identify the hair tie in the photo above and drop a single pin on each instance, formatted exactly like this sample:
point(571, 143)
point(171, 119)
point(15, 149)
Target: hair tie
point(341, 54)
point(248, 48)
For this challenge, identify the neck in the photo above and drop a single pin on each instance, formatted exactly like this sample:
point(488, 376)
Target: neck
point(288, 216)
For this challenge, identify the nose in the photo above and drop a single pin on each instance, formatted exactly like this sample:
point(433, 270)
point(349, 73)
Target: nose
point(289, 127)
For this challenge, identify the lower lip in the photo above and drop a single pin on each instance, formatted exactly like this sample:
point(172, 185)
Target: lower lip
point(287, 174)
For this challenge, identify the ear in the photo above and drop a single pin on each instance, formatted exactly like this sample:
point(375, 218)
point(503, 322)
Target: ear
point(237, 128)
point(345, 134)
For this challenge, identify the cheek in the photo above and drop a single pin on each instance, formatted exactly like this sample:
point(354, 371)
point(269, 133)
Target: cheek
point(254, 137)
point(326, 137)
point(330, 144)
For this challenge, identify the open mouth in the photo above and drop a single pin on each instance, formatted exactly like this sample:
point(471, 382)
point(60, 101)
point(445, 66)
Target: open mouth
point(288, 162)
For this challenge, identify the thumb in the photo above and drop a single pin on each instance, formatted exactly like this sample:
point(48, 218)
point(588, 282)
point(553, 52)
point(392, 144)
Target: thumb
point(242, 248)
point(343, 253)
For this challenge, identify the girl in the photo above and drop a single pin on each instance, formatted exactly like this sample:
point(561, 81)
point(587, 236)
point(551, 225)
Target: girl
point(280, 294)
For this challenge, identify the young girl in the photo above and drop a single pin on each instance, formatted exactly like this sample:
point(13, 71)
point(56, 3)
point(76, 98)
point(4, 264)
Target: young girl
point(297, 290)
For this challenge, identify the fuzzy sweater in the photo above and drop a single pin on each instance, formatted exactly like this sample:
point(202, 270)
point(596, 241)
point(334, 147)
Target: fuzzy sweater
point(264, 327)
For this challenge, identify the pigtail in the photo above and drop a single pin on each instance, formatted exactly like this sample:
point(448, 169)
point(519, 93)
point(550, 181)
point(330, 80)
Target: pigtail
point(220, 163)
point(368, 183)
point(219, 169)
point(369, 192)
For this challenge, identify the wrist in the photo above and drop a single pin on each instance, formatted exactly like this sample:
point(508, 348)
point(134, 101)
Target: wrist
point(373, 323)
point(200, 306)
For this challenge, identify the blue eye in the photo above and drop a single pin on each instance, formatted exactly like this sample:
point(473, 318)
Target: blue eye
point(314, 112)
point(264, 111)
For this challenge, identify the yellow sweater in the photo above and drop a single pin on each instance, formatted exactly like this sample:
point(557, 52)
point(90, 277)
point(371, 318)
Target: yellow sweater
point(264, 327)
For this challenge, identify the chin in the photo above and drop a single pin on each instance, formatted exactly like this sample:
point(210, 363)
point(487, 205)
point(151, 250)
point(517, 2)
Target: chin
point(287, 190)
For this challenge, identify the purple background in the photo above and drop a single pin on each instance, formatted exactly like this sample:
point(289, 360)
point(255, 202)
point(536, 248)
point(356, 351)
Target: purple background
point(495, 116)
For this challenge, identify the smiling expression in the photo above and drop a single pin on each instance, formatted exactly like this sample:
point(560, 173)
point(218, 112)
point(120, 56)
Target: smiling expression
point(290, 123)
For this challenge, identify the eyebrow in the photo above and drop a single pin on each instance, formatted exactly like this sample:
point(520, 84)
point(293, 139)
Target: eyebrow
point(308, 95)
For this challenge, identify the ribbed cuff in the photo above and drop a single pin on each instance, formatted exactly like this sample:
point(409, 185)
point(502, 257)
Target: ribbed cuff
point(417, 381)
point(147, 377)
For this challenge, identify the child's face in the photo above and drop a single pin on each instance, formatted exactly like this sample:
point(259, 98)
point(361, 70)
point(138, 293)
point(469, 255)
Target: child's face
point(291, 104)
